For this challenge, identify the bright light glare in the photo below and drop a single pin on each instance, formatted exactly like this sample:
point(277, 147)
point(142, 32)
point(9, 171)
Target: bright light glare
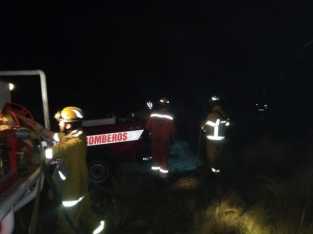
point(155, 168)
point(165, 101)
point(215, 171)
point(215, 98)
point(210, 123)
point(99, 228)
point(164, 171)
point(150, 105)
point(215, 138)
point(62, 176)
point(49, 153)
point(56, 137)
point(78, 114)
point(11, 86)
point(72, 203)
point(161, 116)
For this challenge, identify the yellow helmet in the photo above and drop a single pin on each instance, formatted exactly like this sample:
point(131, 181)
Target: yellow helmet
point(69, 114)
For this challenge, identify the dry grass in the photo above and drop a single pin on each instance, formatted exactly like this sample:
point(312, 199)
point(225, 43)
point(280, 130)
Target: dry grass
point(273, 206)
point(281, 207)
point(229, 216)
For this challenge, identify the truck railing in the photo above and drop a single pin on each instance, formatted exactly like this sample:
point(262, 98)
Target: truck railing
point(20, 194)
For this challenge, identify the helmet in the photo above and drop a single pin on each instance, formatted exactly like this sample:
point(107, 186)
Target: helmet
point(164, 100)
point(69, 114)
point(215, 104)
point(215, 99)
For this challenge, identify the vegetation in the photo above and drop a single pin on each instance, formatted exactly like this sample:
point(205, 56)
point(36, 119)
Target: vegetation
point(280, 207)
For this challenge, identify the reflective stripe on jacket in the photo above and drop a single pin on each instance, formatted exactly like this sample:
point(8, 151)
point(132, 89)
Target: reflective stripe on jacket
point(71, 150)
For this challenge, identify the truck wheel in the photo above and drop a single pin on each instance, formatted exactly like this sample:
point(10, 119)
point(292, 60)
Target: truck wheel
point(99, 171)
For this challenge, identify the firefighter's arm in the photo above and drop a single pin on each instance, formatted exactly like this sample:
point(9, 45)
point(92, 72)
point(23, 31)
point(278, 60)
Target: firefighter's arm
point(36, 127)
point(203, 127)
point(59, 150)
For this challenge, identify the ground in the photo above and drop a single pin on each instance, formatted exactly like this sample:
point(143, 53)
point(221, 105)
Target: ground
point(135, 200)
point(257, 196)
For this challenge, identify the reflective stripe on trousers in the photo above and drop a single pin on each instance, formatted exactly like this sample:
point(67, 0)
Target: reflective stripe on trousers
point(71, 203)
point(100, 228)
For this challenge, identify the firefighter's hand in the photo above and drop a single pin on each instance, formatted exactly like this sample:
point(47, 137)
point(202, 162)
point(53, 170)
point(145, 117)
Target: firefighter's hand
point(49, 154)
point(46, 134)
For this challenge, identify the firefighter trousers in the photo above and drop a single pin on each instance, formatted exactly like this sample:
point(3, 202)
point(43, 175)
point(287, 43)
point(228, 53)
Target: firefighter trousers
point(160, 153)
point(82, 217)
point(212, 154)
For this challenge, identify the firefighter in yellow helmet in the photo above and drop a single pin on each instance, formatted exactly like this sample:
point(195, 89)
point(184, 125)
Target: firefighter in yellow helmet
point(71, 174)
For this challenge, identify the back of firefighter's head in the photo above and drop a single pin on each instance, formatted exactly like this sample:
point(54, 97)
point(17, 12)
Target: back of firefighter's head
point(215, 104)
point(164, 102)
point(69, 118)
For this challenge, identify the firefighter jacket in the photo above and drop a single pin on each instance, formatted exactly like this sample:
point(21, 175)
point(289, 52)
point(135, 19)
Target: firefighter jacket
point(212, 136)
point(214, 127)
point(71, 152)
point(161, 126)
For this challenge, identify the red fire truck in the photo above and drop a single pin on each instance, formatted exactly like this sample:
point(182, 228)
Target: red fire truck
point(111, 142)
point(21, 179)
point(19, 165)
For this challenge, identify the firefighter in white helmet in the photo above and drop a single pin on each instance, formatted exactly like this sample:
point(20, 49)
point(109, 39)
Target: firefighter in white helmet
point(212, 137)
point(161, 128)
point(71, 175)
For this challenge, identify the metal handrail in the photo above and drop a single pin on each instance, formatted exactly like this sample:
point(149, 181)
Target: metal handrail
point(43, 85)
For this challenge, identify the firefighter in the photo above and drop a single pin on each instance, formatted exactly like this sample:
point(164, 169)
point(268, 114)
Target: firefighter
point(212, 137)
point(160, 126)
point(71, 175)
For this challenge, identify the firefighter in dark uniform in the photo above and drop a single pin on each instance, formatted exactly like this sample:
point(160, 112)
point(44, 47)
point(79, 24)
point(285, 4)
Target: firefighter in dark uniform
point(71, 175)
point(160, 125)
point(212, 137)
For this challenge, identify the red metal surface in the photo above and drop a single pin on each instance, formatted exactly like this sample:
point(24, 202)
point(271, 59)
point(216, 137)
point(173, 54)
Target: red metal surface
point(123, 150)
point(12, 144)
point(10, 140)
point(14, 110)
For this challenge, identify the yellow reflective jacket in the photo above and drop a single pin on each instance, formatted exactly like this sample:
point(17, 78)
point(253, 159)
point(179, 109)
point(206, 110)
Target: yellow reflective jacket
point(71, 151)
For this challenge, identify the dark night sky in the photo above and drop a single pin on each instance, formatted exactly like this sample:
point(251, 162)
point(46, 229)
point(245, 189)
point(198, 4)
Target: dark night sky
point(112, 55)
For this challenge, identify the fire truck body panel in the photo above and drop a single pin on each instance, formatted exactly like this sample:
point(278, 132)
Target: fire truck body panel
point(122, 141)
point(19, 193)
point(111, 144)
point(20, 173)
